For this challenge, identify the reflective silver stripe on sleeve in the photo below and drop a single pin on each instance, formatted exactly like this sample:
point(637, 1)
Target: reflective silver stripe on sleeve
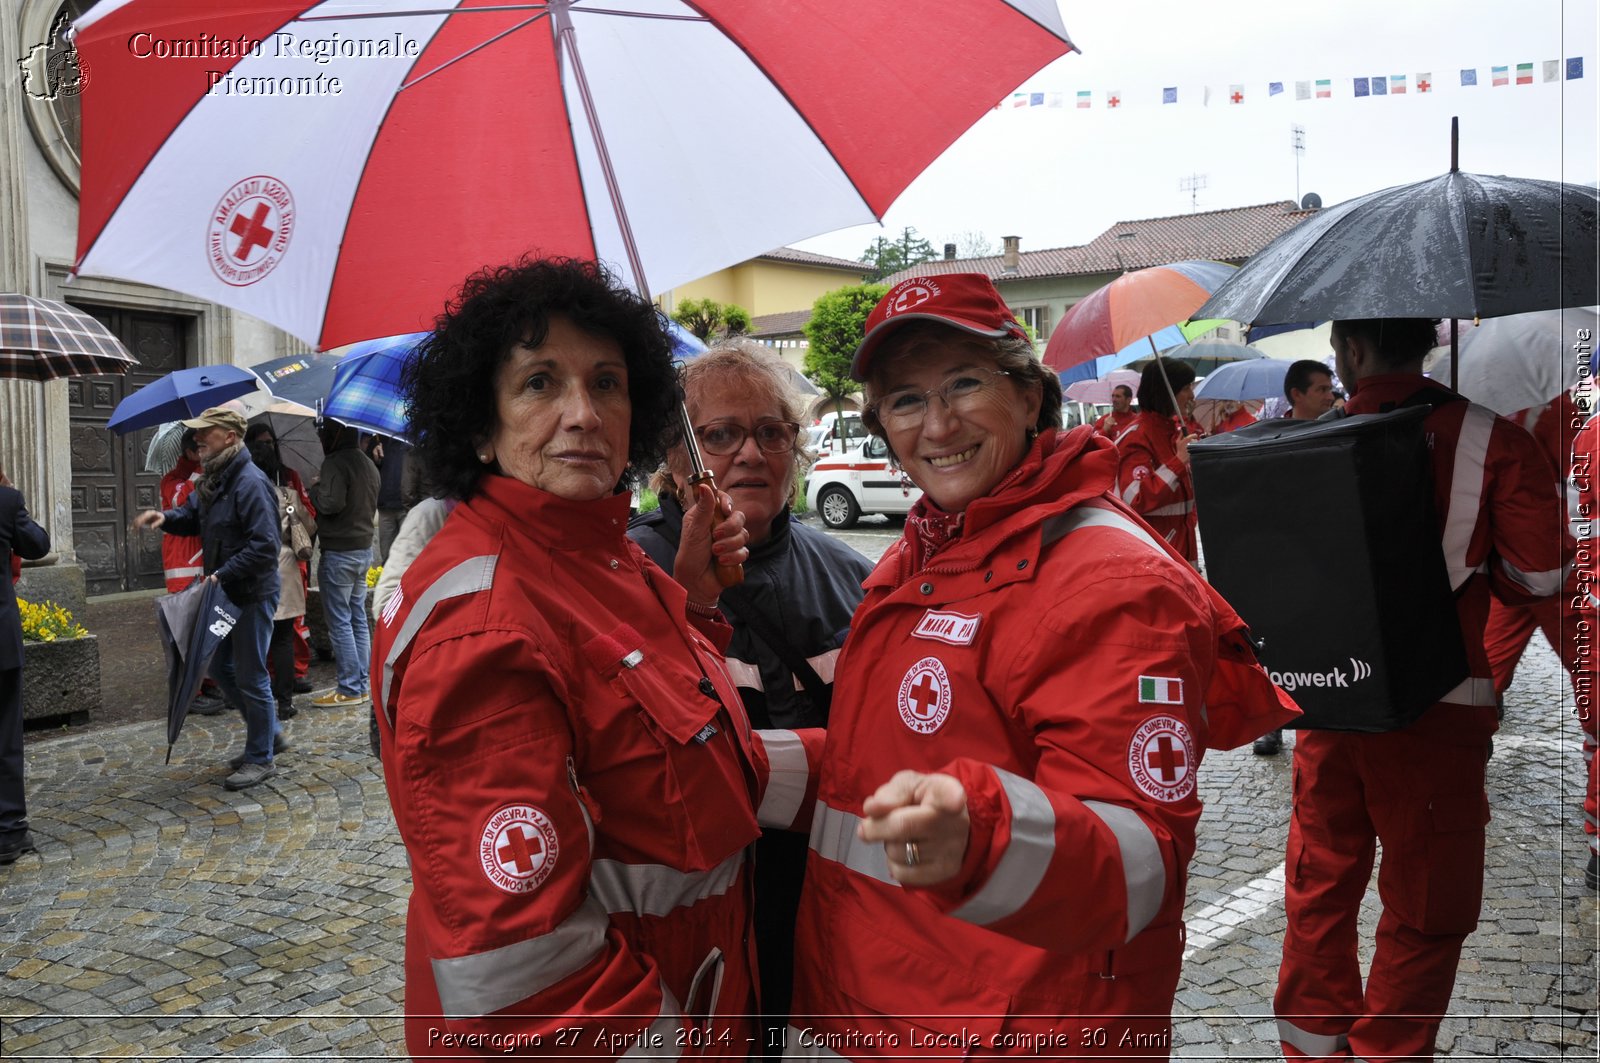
point(469, 577)
point(822, 664)
point(743, 673)
point(1130, 493)
point(1174, 510)
point(662, 1040)
point(787, 775)
point(1142, 867)
point(1027, 857)
point(1123, 435)
point(1091, 516)
point(486, 982)
point(1312, 1044)
point(656, 889)
point(833, 837)
point(1473, 691)
point(1540, 584)
point(1167, 476)
point(1466, 492)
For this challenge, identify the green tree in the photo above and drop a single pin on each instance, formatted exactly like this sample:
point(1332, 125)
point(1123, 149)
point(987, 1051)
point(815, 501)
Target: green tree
point(890, 256)
point(708, 318)
point(834, 333)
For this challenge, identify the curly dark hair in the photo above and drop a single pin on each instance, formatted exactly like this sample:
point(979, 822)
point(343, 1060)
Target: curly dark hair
point(449, 386)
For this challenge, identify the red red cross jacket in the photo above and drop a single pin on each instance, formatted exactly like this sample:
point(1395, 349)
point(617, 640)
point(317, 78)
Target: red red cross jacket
point(180, 554)
point(576, 785)
point(1114, 424)
point(1070, 670)
point(1156, 483)
point(1500, 510)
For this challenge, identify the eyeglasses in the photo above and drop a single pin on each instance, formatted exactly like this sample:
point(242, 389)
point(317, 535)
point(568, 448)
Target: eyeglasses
point(727, 437)
point(962, 393)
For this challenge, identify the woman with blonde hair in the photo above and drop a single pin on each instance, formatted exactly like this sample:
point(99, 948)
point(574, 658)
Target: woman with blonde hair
point(793, 610)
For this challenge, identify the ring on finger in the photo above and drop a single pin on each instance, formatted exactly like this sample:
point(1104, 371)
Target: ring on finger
point(913, 856)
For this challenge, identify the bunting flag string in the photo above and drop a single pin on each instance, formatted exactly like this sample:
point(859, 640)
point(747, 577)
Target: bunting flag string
point(1411, 83)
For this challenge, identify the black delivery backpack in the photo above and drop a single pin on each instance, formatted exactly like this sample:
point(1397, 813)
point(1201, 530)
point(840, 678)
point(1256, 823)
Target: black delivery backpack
point(1322, 534)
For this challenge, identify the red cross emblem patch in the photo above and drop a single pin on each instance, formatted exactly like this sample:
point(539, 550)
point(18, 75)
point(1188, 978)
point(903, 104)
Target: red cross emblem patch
point(1161, 759)
point(925, 696)
point(518, 848)
point(249, 230)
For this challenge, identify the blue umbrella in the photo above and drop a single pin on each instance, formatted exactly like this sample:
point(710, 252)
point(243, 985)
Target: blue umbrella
point(685, 344)
point(1261, 378)
point(303, 378)
point(179, 395)
point(366, 385)
point(192, 624)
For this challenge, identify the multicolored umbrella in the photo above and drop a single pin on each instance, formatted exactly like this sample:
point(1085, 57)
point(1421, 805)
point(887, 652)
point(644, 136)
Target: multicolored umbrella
point(181, 394)
point(41, 339)
point(1130, 309)
point(571, 127)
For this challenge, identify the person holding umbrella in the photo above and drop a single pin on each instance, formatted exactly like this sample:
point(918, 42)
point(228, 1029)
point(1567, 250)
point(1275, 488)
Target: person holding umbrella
point(1418, 791)
point(1154, 475)
point(20, 537)
point(1122, 415)
point(791, 613)
point(234, 510)
point(571, 770)
point(1007, 798)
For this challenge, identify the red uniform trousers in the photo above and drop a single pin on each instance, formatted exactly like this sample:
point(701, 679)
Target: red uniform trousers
point(1420, 793)
point(1571, 632)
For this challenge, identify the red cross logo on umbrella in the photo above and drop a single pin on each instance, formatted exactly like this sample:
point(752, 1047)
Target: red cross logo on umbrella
point(249, 230)
point(1161, 758)
point(925, 696)
point(518, 848)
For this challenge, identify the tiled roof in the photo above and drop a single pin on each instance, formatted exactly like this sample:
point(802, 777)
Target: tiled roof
point(790, 321)
point(806, 258)
point(1225, 235)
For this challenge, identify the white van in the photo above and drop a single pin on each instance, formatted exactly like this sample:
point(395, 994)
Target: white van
point(836, 433)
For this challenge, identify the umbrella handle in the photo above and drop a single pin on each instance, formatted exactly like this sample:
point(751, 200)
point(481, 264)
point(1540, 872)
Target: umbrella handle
point(727, 575)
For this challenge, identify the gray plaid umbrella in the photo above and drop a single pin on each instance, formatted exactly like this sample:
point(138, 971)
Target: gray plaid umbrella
point(42, 340)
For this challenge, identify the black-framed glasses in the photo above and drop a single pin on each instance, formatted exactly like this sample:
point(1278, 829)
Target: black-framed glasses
point(904, 407)
point(726, 437)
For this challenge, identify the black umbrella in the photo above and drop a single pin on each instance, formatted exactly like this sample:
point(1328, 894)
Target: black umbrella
point(193, 624)
point(1462, 245)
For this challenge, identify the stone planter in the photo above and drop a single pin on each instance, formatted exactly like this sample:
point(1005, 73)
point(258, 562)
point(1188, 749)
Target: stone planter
point(60, 681)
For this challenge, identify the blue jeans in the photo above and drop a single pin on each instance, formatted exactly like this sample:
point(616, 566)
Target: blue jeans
point(342, 582)
point(240, 666)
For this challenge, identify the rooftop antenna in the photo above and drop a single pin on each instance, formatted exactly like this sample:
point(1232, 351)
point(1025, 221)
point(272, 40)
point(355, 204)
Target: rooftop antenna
point(1192, 185)
point(1297, 139)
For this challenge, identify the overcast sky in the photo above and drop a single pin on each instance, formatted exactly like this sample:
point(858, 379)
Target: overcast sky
point(1059, 176)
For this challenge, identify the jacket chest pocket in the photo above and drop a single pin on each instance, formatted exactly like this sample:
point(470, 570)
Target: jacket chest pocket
point(661, 755)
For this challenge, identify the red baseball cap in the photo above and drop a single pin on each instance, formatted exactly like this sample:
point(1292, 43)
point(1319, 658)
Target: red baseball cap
point(967, 301)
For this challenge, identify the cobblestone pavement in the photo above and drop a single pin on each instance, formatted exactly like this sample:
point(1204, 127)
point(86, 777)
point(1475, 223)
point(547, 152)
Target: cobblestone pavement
point(166, 918)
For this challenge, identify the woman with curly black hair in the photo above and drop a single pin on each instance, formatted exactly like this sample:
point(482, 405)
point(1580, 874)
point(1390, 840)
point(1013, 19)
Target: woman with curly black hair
point(570, 766)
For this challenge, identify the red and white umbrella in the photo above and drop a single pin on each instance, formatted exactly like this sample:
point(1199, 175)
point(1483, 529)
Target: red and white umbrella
point(342, 175)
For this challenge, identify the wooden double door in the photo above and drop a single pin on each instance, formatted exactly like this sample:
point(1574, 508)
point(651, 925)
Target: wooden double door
point(109, 482)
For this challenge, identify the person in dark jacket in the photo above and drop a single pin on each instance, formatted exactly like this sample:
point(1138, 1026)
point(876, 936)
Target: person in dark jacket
point(234, 510)
point(790, 615)
point(346, 497)
point(392, 505)
point(21, 537)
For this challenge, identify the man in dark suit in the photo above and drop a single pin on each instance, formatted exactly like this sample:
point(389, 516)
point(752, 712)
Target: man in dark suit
point(19, 535)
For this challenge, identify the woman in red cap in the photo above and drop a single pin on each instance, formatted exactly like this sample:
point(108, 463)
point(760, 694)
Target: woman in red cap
point(1007, 796)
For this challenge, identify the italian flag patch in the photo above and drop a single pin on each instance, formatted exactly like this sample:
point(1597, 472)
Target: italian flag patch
point(1160, 690)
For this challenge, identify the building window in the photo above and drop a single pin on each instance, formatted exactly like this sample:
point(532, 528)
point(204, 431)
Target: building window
point(1036, 318)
